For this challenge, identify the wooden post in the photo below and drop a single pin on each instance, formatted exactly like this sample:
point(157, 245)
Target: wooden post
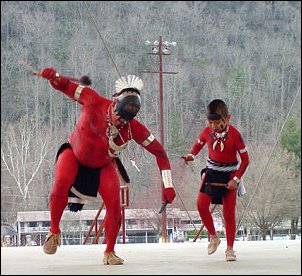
point(124, 193)
point(94, 224)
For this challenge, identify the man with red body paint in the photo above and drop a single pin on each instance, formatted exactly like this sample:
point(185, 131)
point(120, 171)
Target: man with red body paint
point(221, 177)
point(85, 164)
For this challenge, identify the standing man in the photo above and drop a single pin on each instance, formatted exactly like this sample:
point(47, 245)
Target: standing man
point(86, 164)
point(221, 177)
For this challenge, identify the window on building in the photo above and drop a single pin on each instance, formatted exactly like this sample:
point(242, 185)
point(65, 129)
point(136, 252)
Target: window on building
point(131, 222)
point(32, 223)
point(88, 222)
point(45, 223)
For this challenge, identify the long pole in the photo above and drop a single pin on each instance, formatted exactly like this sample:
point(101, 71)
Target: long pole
point(162, 136)
point(161, 119)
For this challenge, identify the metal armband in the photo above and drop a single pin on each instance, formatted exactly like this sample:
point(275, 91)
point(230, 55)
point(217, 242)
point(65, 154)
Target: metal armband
point(191, 155)
point(167, 178)
point(148, 141)
point(236, 179)
point(243, 150)
point(78, 92)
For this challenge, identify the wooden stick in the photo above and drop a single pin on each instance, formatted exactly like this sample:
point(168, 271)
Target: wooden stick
point(35, 72)
point(216, 184)
point(29, 67)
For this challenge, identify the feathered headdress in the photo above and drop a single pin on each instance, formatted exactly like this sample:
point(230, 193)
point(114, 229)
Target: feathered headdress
point(130, 81)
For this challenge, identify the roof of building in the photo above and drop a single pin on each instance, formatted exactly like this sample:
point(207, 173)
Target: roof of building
point(175, 213)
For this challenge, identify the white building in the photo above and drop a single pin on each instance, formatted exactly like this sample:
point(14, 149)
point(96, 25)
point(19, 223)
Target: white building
point(141, 226)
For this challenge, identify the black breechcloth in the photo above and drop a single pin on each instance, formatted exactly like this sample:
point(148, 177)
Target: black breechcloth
point(86, 182)
point(216, 191)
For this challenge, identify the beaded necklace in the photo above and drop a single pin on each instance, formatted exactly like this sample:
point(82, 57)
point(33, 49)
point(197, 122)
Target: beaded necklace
point(219, 138)
point(112, 132)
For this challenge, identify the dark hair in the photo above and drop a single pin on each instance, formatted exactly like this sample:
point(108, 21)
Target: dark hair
point(216, 109)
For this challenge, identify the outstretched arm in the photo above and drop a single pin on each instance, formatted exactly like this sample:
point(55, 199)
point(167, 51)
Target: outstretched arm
point(163, 163)
point(196, 148)
point(144, 137)
point(73, 90)
point(59, 82)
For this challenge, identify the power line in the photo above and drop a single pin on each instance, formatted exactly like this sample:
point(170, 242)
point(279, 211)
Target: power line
point(267, 162)
point(103, 40)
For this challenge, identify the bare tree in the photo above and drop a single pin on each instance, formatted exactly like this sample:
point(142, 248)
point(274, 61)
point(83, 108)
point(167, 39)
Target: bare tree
point(23, 151)
point(269, 198)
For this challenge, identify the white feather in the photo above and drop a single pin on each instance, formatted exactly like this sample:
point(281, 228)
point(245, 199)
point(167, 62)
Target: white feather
point(131, 81)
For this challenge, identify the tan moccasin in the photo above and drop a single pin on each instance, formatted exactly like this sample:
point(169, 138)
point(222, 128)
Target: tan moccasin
point(112, 259)
point(214, 242)
point(230, 255)
point(51, 243)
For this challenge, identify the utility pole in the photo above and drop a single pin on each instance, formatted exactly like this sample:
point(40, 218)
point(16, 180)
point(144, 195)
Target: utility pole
point(161, 48)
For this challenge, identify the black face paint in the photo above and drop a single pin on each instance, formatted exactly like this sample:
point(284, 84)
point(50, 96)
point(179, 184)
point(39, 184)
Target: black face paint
point(222, 124)
point(128, 107)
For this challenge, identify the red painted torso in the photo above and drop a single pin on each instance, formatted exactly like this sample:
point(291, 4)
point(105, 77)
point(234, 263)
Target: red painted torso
point(89, 140)
point(233, 145)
